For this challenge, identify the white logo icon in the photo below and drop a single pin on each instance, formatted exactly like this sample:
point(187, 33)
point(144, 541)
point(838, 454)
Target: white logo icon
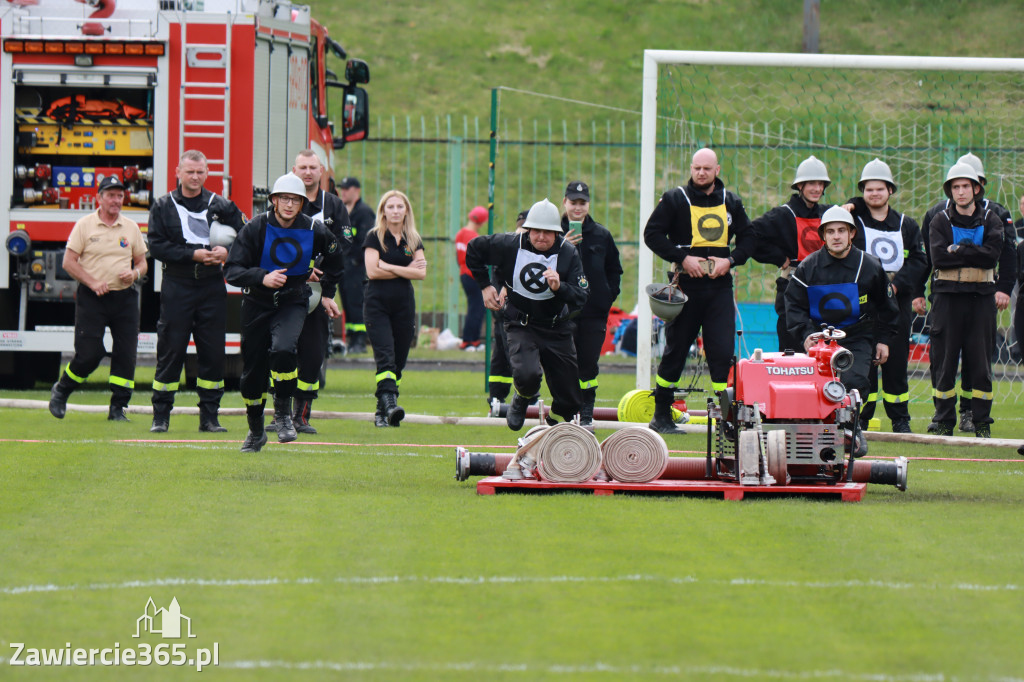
point(579, 188)
point(163, 622)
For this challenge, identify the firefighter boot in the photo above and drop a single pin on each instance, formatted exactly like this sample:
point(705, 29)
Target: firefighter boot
point(663, 422)
point(379, 418)
point(59, 399)
point(392, 412)
point(117, 412)
point(161, 419)
point(901, 426)
point(967, 421)
point(300, 416)
point(516, 414)
point(282, 415)
point(982, 430)
point(257, 436)
point(208, 422)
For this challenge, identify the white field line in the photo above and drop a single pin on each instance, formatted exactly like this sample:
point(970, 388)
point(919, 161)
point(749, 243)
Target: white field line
point(704, 672)
point(513, 579)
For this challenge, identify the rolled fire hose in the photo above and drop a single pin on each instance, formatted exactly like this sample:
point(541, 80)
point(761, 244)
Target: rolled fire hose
point(687, 468)
point(638, 406)
point(568, 454)
point(635, 455)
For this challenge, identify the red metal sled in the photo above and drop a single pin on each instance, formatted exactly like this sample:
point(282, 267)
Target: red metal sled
point(846, 492)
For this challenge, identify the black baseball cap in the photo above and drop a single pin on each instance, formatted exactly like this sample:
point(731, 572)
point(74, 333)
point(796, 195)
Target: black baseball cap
point(522, 215)
point(577, 189)
point(110, 182)
point(349, 183)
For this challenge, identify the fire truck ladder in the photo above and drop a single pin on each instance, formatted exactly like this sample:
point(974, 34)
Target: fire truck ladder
point(202, 61)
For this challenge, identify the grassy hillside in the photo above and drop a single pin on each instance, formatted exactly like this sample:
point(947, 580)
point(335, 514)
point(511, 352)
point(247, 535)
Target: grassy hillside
point(442, 58)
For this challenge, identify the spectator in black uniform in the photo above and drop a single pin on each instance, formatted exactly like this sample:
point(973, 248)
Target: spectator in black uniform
point(546, 287)
point(789, 233)
point(965, 243)
point(499, 381)
point(362, 219)
point(328, 209)
point(193, 298)
point(843, 287)
point(271, 260)
point(1007, 275)
point(603, 269)
point(691, 227)
point(393, 258)
point(895, 239)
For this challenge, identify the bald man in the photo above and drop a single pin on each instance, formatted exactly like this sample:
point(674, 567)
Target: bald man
point(691, 228)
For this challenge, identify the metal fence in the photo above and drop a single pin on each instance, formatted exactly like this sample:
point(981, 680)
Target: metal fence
point(443, 165)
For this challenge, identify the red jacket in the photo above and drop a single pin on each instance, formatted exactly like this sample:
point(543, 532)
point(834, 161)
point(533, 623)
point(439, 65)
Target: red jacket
point(461, 240)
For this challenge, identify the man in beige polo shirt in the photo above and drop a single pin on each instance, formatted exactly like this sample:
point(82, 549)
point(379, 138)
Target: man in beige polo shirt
point(107, 255)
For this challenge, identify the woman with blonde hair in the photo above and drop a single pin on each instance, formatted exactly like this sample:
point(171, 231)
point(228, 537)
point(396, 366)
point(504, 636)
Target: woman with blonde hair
point(393, 254)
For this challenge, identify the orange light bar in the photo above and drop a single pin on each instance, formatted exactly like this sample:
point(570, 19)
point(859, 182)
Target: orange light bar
point(135, 49)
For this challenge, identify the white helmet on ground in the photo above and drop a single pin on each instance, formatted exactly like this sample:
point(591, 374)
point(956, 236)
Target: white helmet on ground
point(544, 216)
point(289, 183)
point(876, 170)
point(975, 163)
point(809, 170)
point(836, 214)
point(960, 171)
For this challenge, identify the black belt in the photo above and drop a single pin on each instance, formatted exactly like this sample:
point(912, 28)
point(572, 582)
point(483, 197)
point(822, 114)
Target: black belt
point(515, 316)
point(276, 297)
point(196, 271)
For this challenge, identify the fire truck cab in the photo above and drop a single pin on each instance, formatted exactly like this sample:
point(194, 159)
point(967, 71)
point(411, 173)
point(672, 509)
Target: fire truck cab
point(91, 88)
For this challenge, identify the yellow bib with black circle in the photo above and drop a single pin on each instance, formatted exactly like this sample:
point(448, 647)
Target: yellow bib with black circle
point(709, 224)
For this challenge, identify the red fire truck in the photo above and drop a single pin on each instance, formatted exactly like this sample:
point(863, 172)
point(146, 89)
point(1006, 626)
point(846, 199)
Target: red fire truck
point(91, 88)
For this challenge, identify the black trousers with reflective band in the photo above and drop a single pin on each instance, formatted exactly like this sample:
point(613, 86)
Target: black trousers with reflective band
point(196, 308)
point(118, 310)
point(312, 352)
point(270, 340)
point(534, 352)
point(895, 388)
point(389, 310)
point(963, 331)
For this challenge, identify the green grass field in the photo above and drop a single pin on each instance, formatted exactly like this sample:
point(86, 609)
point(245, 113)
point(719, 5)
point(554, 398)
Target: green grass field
point(355, 555)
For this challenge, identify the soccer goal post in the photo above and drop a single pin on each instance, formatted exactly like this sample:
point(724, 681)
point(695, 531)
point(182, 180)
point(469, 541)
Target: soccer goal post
point(765, 112)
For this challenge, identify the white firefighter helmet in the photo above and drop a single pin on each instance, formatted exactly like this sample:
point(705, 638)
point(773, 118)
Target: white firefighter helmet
point(289, 183)
point(958, 171)
point(811, 169)
point(835, 214)
point(666, 300)
point(975, 163)
point(876, 170)
point(222, 235)
point(544, 216)
point(316, 292)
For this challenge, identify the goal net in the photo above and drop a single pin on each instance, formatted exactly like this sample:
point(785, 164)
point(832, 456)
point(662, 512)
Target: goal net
point(764, 113)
